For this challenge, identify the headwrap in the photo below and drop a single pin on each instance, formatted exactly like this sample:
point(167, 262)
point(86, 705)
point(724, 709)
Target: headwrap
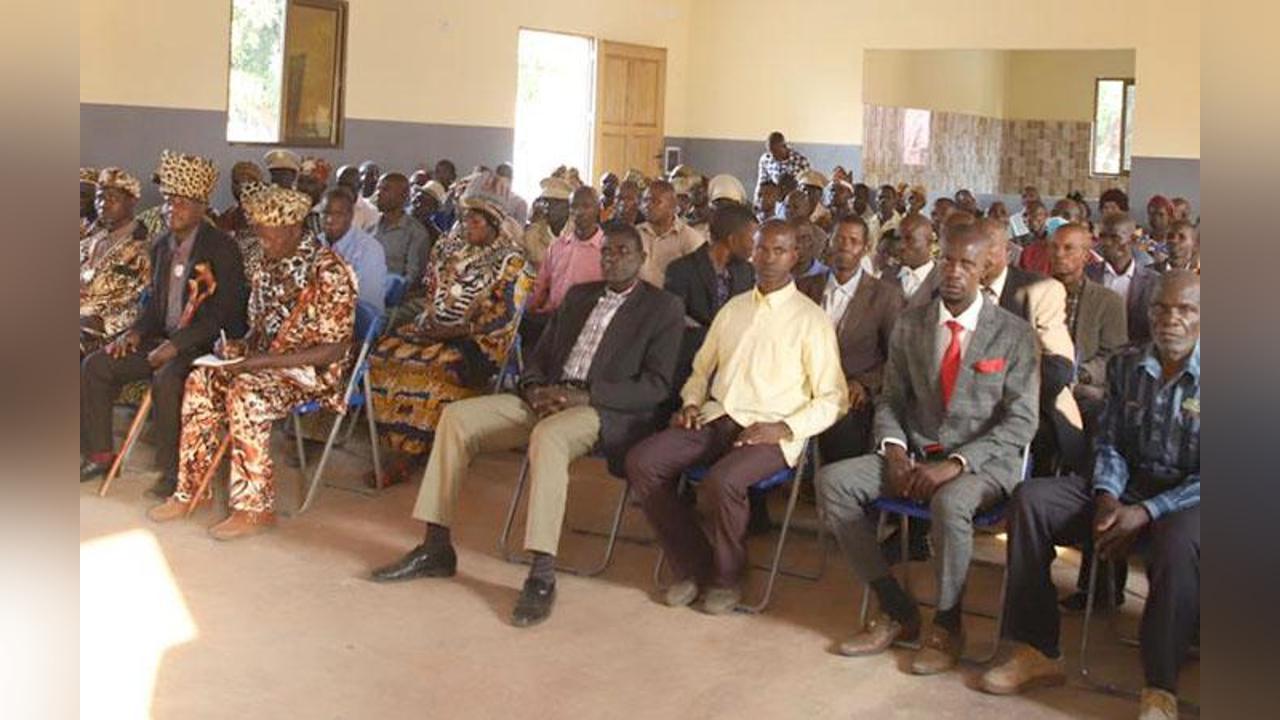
point(554, 188)
point(1160, 201)
point(316, 167)
point(247, 168)
point(114, 177)
point(435, 189)
point(812, 177)
point(488, 193)
point(190, 176)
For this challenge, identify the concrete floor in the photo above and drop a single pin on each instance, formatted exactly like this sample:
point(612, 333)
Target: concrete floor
point(286, 625)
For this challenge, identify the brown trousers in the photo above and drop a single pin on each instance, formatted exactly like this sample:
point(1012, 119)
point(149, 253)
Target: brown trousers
point(709, 543)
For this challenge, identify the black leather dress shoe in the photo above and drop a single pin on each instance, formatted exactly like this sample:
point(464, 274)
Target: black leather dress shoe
point(90, 470)
point(536, 598)
point(422, 561)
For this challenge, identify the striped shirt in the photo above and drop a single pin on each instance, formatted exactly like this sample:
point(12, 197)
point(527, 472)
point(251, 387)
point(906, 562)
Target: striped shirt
point(1148, 448)
point(578, 366)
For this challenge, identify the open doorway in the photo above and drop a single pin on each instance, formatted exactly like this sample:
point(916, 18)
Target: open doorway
point(555, 91)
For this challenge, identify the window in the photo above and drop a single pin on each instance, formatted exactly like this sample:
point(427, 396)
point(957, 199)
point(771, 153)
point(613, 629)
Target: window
point(1112, 126)
point(286, 79)
point(915, 137)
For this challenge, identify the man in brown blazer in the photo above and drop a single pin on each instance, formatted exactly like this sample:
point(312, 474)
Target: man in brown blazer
point(1095, 318)
point(863, 310)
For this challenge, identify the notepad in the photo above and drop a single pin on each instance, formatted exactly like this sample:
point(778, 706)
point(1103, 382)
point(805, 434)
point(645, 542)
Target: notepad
point(212, 360)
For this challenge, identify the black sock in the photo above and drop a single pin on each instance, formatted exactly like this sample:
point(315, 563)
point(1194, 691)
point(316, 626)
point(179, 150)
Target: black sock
point(543, 567)
point(894, 601)
point(437, 536)
point(950, 619)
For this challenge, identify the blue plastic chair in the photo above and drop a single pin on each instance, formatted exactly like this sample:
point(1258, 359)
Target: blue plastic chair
point(396, 288)
point(355, 397)
point(908, 509)
point(694, 475)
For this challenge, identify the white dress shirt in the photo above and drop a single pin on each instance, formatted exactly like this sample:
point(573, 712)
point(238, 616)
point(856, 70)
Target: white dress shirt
point(836, 296)
point(997, 285)
point(1118, 283)
point(968, 320)
point(365, 214)
point(913, 279)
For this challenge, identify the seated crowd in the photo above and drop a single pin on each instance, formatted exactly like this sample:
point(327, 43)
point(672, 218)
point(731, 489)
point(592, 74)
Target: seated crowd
point(674, 323)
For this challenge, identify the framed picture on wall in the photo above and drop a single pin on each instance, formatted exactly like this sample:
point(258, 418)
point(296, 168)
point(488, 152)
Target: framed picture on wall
point(670, 159)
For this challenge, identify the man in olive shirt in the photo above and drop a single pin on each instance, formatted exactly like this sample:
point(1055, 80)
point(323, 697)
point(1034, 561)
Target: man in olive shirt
point(766, 378)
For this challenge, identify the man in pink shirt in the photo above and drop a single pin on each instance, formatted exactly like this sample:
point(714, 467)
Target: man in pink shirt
point(572, 259)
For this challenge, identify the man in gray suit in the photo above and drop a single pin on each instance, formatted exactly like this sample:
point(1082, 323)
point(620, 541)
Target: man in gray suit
point(1095, 318)
point(960, 401)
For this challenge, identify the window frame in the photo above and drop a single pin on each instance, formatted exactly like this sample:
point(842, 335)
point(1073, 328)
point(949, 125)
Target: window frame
point(337, 133)
point(1124, 126)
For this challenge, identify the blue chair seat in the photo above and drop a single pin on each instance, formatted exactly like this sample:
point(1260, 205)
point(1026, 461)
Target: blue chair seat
point(695, 474)
point(986, 518)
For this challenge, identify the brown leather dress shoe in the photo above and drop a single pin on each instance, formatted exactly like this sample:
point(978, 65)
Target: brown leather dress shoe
point(170, 509)
point(940, 651)
point(241, 523)
point(879, 634)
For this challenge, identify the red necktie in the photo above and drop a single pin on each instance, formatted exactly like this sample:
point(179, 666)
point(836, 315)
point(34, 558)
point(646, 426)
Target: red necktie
point(951, 362)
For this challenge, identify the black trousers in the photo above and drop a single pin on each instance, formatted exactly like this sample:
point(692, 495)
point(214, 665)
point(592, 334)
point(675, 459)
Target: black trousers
point(850, 437)
point(102, 377)
point(1059, 511)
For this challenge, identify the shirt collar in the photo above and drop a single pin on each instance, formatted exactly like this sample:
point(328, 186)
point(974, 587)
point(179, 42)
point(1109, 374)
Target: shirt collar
point(349, 236)
point(997, 285)
point(1108, 270)
point(568, 235)
point(921, 272)
point(848, 288)
point(625, 293)
point(776, 298)
point(967, 319)
point(1151, 363)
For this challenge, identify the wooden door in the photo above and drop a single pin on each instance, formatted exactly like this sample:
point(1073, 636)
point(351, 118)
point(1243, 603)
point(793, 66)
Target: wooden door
point(631, 83)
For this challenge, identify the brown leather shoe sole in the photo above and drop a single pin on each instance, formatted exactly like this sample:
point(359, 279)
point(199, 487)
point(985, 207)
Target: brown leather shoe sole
point(242, 524)
point(1043, 681)
point(908, 634)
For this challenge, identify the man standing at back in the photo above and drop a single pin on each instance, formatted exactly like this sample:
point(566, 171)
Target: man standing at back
point(779, 159)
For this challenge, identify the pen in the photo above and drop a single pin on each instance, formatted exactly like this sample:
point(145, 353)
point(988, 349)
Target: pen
point(223, 333)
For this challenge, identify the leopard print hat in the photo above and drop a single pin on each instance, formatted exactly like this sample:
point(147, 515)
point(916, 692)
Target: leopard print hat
point(274, 206)
point(114, 177)
point(190, 176)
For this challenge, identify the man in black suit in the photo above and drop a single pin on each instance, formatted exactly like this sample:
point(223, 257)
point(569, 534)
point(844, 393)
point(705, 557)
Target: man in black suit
point(596, 378)
point(1121, 273)
point(166, 337)
point(863, 310)
point(706, 278)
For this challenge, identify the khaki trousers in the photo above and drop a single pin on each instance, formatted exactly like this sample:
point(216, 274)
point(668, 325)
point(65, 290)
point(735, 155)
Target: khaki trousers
point(504, 422)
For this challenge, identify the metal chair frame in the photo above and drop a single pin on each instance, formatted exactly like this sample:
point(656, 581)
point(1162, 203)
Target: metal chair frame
point(793, 476)
point(983, 519)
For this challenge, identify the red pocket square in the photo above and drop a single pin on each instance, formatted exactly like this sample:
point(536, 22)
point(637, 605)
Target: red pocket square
point(989, 365)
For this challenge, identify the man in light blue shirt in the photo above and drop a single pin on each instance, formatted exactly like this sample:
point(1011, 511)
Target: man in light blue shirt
point(360, 249)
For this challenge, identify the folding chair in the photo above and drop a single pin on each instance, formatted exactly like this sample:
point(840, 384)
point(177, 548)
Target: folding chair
point(1086, 674)
point(355, 398)
point(907, 509)
point(512, 556)
point(396, 287)
point(787, 475)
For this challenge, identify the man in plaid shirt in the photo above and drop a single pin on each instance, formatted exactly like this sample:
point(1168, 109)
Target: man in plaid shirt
point(780, 159)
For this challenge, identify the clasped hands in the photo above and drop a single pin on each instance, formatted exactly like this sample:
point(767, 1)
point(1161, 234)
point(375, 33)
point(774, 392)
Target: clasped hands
point(918, 481)
point(550, 399)
point(762, 433)
point(1116, 526)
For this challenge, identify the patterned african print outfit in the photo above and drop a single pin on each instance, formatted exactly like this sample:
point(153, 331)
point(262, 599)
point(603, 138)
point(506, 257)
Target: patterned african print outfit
point(414, 378)
point(249, 402)
point(114, 270)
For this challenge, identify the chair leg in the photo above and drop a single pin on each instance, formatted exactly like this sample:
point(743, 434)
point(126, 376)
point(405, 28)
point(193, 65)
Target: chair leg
point(866, 587)
point(373, 433)
point(135, 430)
point(504, 540)
point(203, 487)
point(300, 444)
point(777, 550)
point(613, 537)
point(313, 488)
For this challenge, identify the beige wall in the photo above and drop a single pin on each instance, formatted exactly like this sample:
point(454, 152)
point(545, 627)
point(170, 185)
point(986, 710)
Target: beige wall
point(736, 69)
point(758, 65)
point(1013, 84)
point(436, 61)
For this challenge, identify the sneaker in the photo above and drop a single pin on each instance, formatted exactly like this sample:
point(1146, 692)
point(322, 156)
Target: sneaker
point(1157, 704)
point(681, 594)
point(1023, 668)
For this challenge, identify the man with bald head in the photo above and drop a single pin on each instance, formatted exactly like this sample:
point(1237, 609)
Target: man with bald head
point(370, 175)
point(766, 379)
point(666, 236)
point(403, 238)
point(1095, 318)
point(960, 400)
point(1144, 495)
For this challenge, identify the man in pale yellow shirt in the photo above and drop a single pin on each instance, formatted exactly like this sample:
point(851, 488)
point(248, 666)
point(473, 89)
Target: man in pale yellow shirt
point(665, 236)
point(766, 379)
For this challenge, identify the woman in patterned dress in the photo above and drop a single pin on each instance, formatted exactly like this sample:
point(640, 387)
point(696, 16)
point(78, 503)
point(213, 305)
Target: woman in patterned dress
point(475, 282)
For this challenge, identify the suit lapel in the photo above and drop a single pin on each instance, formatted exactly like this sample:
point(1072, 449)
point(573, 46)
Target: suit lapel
point(926, 346)
point(707, 276)
point(856, 308)
point(977, 349)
